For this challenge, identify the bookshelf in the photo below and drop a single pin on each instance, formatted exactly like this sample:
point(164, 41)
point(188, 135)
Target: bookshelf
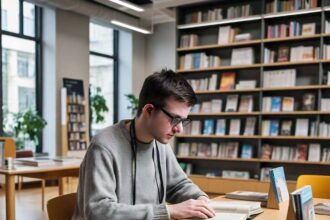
point(74, 119)
point(269, 37)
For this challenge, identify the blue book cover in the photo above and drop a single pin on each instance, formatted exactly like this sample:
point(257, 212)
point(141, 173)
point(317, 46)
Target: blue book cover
point(246, 151)
point(307, 207)
point(278, 182)
point(208, 127)
point(274, 127)
point(276, 104)
point(196, 60)
point(221, 127)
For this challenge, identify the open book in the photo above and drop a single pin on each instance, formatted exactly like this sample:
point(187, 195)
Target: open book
point(239, 207)
point(247, 195)
point(322, 208)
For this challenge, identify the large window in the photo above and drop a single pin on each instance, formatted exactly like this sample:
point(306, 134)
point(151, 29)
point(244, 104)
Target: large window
point(103, 70)
point(21, 73)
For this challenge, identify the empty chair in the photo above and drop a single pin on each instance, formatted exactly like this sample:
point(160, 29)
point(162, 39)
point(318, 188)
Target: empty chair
point(320, 185)
point(61, 207)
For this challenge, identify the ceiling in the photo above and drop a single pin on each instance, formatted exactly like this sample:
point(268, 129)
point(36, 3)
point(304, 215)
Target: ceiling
point(155, 11)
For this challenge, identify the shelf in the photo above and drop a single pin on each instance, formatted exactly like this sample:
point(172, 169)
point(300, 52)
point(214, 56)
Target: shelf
point(220, 68)
point(296, 38)
point(311, 87)
point(229, 91)
point(214, 23)
point(291, 63)
point(296, 113)
point(218, 46)
point(291, 13)
point(253, 160)
point(225, 114)
point(202, 136)
point(316, 138)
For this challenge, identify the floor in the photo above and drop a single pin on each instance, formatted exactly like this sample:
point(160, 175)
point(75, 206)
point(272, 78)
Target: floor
point(28, 201)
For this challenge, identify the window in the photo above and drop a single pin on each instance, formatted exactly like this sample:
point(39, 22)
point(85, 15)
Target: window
point(20, 49)
point(103, 70)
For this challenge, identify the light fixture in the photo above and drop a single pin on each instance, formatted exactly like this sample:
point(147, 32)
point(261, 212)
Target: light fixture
point(128, 5)
point(131, 27)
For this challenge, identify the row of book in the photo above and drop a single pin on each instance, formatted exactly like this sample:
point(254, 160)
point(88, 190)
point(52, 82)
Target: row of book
point(292, 29)
point(220, 150)
point(75, 98)
point(219, 127)
point(279, 78)
point(287, 103)
point(325, 104)
point(203, 16)
point(76, 109)
point(76, 117)
point(77, 145)
point(189, 40)
point(293, 54)
point(76, 127)
point(215, 105)
point(289, 5)
point(272, 127)
point(217, 14)
point(227, 83)
point(326, 52)
point(76, 136)
point(227, 35)
point(301, 152)
point(204, 84)
point(199, 60)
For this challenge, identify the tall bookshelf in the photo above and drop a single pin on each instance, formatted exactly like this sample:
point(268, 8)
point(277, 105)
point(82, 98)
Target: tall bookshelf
point(310, 80)
point(74, 116)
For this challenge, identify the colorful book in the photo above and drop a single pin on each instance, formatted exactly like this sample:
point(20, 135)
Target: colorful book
point(247, 151)
point(208, 127)
point(227, 81)
point(278, 183)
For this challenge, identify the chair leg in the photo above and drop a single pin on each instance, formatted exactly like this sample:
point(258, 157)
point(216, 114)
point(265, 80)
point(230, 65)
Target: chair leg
point(43, 185)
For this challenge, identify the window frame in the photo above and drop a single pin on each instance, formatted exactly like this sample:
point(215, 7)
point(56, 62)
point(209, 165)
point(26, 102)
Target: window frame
point(114, 57)
point(38, 59)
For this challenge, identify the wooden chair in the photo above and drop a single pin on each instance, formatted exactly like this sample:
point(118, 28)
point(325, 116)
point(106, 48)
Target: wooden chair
point(29, 153)
point(320, 185)
point(61, 207)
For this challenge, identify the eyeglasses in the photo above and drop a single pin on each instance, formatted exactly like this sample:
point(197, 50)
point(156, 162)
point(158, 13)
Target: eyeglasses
point(175, 120)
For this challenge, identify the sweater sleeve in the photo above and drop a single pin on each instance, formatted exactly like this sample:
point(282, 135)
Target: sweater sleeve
point(97, 191)
point(179, 187)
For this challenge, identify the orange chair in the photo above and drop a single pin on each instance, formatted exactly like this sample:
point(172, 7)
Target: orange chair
point(62, 207)
point(320, 185)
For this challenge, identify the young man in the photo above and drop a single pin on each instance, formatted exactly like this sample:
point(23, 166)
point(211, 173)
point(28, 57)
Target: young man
point(130, 170)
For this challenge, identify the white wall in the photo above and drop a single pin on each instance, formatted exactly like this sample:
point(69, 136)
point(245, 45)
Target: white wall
point(161, 48)
point(66, 43)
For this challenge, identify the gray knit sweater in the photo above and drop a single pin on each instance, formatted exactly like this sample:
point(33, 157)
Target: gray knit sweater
point(105, 181)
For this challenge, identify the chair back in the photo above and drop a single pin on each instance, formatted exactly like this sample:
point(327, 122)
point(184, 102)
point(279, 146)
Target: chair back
point(10, 146)
point(62, 207)
point(320, 185)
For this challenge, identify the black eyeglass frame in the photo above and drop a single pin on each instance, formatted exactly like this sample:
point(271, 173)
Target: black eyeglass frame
point(175, 120)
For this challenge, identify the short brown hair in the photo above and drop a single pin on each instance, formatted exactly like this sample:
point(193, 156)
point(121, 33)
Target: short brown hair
point(160, 86)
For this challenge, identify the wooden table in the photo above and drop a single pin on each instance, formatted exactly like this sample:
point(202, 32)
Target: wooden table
point(47, 172)
point(274, 214)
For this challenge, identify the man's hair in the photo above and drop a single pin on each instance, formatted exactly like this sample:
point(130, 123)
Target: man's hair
point(160, 86)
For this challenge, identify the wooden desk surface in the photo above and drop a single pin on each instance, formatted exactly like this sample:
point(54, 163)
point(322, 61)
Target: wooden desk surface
point(19, 169)
point(273, 214)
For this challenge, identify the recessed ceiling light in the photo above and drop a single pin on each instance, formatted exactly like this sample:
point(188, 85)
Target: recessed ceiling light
point(128, 5)
point(131, 27)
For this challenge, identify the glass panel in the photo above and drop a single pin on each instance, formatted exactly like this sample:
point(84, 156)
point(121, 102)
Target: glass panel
point(29, 19)
point(101, 76)
point(10, 15)
point(101, 39)
point(19, 78)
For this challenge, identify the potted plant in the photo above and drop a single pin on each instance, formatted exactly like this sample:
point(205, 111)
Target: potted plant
point(134, 103)
point(98, 106)
point(28, 127)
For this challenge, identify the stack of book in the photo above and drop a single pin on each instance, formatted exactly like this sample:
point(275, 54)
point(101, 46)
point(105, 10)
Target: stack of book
point(198, 61)
point(242, 56)
point(289, 5)
point(277, 104)
point(204, 84)
point(279, 78)
point(239, 11)
point(189, 40)
point(246, 84)
point(203, 16)
point(228, 150)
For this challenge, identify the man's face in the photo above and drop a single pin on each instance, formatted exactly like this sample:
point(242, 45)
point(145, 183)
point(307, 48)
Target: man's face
point(161, 127)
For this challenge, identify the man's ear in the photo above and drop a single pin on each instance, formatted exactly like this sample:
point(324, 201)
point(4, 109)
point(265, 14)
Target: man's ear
point(148, 108)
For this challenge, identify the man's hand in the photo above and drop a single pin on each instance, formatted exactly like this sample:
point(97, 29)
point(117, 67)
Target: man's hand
point(191, 209)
